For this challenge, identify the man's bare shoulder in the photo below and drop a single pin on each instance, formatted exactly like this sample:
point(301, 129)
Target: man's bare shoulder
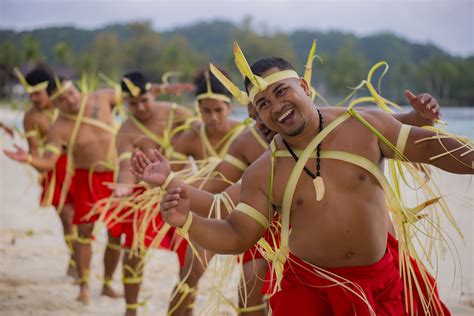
point(29, 119)
point(33, 116)
point(190, 134)
point(376, 117)
point(187, 138)
point(259, 171)
point(242, 144)
point(243, 139)
point(333, 110)
point(373, 115)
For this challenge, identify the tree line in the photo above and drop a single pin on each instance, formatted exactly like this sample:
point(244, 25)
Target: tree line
point(344, 62)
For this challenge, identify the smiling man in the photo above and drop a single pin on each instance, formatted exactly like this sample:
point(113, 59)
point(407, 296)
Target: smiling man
point(337, 260)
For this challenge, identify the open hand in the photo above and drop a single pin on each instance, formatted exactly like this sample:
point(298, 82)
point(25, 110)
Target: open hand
point(20, 154)
point(175, 206)
point(425, 105)
point(153, 170)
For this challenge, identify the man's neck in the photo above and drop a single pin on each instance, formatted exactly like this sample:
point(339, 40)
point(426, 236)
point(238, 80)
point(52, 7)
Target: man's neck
point(217, 134)
point(153, 118)
point(46, 107)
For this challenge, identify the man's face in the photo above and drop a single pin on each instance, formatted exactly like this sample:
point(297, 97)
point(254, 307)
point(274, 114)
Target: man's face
point(141, 106)
point(40, 99)
point(214, 113)
point(267, 133)
point(69, 101)
point(283, 106)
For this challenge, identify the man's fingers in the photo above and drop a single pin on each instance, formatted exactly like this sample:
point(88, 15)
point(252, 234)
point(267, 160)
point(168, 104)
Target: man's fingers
point(425, 98)
point(170, 197)
point(429, 105)
point(141, 161)
point(158, 156)
point(176, 190)
point(136, 165)
point(169, 205)
point(145, 159)
point(410, 96)
point(184, 192)
point(435, 110)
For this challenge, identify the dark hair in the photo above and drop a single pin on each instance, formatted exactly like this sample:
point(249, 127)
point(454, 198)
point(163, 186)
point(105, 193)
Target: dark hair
point(262, 65)
point(216, 86)
point(38, 75)
point(52, 86)
point(137, 78)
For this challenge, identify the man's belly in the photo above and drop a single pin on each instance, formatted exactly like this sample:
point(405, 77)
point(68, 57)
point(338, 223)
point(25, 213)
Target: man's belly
point(343, 239)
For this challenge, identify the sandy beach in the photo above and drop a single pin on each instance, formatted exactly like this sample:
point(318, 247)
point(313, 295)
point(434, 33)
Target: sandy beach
point(33, 257)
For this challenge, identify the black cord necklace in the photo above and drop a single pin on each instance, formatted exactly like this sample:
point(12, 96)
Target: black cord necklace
point(317, 179)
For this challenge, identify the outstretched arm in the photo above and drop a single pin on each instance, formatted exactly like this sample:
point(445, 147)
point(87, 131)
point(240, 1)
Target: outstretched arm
point(155, 170)
point(424, 145)
point(233, 235)
point(43, 163)
point(171, 89)
point(49, 158)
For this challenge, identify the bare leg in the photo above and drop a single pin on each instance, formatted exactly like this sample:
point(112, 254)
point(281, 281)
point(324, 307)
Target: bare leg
point(111, 259)
point(83, 252)
point(250, 288)
point(66, 216)
point(133, 267)
point(181, 303)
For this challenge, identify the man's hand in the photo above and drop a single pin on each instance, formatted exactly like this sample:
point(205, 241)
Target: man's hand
point(425, 105)
point(178, 88)
point(175, 206)
point(20, 154)
point(153, 171)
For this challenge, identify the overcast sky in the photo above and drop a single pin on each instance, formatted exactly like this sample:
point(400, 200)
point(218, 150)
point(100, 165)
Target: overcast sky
point(448, 24)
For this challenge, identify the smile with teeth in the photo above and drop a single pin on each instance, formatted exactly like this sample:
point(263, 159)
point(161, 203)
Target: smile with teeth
point(284, 115)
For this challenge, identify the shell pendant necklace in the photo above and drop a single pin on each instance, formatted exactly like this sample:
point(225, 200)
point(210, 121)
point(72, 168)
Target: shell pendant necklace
point(317, 179)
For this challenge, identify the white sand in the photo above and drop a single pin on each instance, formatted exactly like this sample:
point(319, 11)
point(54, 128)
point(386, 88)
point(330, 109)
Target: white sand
point(33, 257)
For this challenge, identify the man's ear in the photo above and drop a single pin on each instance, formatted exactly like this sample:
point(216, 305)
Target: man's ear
point(305, 87)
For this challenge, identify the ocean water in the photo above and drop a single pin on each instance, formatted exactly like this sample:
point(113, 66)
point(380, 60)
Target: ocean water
point(459, 120)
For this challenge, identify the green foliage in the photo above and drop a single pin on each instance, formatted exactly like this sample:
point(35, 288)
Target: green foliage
point(116, 49)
